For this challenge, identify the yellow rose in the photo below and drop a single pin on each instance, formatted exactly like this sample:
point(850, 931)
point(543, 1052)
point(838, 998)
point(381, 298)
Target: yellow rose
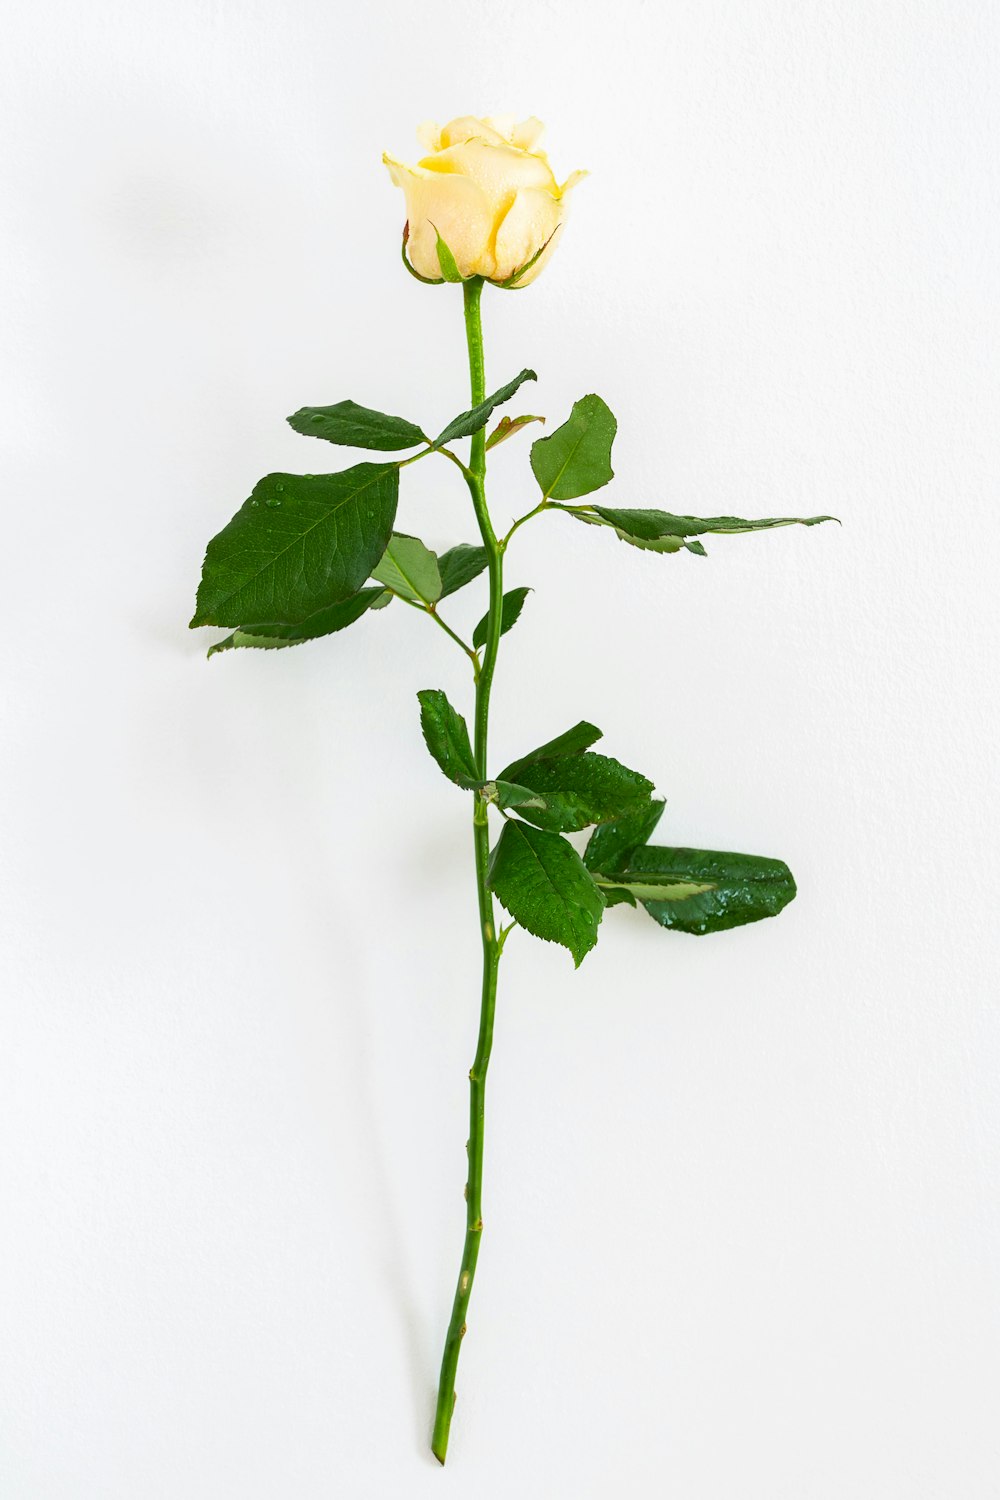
point(488, 191)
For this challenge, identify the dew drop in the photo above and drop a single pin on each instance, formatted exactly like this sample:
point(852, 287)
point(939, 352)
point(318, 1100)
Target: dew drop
point(272, 502)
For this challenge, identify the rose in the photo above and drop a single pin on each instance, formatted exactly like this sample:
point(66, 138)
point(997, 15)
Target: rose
point(488, 191)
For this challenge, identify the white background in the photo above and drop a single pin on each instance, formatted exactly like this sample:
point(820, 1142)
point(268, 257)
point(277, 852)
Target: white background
point(742, 1193)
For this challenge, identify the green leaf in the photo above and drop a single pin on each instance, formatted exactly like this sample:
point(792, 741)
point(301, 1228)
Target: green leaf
point(541, 881)
point(659, 531)
point(324, 622)
point(410, 569)
point(571, 742)
point(513, 603)
point(447, 737)
point(576, 458)
point(447, 262)
point(577, 790)
point(703, 890)
point(354, 426)
point(300, 543)
point(459, 566)
point(507, 427)
point(612, 844)
point(468, 422)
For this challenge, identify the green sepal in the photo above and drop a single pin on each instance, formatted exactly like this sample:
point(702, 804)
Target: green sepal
point(513, 603)
point(542, 882)
point(515, 276)
point(459, 566)
point(299, 544)
point(409, 569)
point(427, 280)
point(468, 422)
point(353, 426)
point(507, 427)
point(325, 622)
point(446, 735)
point(447, 262)
point(576, 458)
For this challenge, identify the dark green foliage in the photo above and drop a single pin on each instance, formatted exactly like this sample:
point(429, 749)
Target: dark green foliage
point(354, 426)
point(447, 736)
point(324, 622)
point(702, 890)
point(610, 846)
point(299, 544)
point(541, 881)
point(513, 603)
point(576, 458)
point(410, 569)
point(576, 790)
point(459, 566)
point(570, 742)
point(659, 531)
point(468, 422)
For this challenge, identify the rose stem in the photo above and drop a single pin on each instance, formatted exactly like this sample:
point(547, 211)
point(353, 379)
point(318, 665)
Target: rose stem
point(476, 479)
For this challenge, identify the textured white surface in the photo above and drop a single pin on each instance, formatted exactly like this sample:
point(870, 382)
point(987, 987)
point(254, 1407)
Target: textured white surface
point(742, 1206)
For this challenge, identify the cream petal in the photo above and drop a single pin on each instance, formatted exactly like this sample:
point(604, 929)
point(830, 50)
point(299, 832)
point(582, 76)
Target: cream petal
point(470, 128)
point(503, 125)
point(534, 217)
point(571, 182)
point(453, 206)
point(429, 135)
point(498, 170)
point(527, 134)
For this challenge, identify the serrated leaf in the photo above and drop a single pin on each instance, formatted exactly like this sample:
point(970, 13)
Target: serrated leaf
point(468, 422)
point(659, 531)
point(577, 790)
point(541, 881)
point(512, 604)
point(447, 737)
point(410, 569)
point(611, 845)
point(507, 427)
point(299, 544)
point(459, 566)
point(324, 622)
point(570, 742)
point(703, 890)
point(354, 426)
point(576, 458)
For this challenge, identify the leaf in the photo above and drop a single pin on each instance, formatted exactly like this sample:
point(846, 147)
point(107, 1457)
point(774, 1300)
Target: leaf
point(324, 622)
point(571, 742)
point(512, 604)
point(410, 569)
point(468, 422)
point(507, 427)
point(659, 531)
point(459, 566)
point(300, 543)
point(541, 881)
point(447, 262)
point(354, 426)
point(577, 790)
point(447, 737)
point(703, 890)
point(611, 845)
point(576, 458)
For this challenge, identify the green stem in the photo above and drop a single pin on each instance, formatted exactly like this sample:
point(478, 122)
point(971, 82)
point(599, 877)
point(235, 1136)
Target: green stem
point(476, 479)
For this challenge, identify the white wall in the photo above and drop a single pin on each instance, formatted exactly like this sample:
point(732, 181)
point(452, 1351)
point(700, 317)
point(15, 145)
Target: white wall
point(742, 1210)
